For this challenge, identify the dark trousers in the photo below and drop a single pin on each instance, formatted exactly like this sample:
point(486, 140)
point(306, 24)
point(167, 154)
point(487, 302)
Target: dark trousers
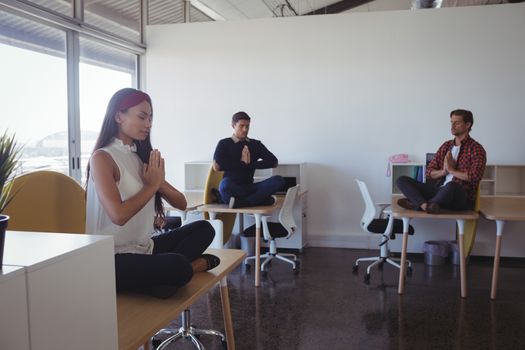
point(258, 193)
point(452, 196)
point(170, 262)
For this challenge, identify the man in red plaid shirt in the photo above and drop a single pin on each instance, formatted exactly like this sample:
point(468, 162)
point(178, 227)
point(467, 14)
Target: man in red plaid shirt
point(454, 172)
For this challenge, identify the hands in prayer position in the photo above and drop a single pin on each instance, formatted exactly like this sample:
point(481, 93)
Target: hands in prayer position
point(245, 157)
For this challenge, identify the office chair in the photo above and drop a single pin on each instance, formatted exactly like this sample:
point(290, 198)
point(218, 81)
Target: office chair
point(211, 188)
point(223, 230)
point(388, 228)
point(282, 229)
point(47, 201)
point(187, 330)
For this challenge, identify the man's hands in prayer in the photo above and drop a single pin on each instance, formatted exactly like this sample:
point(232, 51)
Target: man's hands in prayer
point(245, 157)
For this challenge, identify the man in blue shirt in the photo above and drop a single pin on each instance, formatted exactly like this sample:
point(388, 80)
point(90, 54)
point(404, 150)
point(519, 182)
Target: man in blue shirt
point(239, 156)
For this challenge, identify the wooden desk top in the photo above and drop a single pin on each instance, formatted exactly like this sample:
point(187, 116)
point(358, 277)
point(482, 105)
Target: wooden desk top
point(503, 208)
point(140, 316)
point(223, 208)
point(399, 212)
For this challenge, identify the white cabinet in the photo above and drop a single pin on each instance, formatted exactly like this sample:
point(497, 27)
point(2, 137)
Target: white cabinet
point(14, 323)
point(70, 288)
point(502, 180)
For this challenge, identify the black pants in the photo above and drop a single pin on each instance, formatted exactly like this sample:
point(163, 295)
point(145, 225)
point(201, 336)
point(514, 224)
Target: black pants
point(170, 262)
point(452, 196)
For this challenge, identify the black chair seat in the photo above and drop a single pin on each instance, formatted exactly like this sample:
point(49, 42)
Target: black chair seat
point(276, 230)
point(379, 226)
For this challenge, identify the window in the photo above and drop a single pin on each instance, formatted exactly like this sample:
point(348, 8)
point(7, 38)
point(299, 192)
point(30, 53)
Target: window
point(34, 91)
point(103, 70)
point(61, 6)
point(118, 17)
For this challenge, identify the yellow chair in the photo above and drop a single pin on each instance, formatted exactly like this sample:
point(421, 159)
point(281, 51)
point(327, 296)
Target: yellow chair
point(471, 227)
point(213, 180)
point(47, 201)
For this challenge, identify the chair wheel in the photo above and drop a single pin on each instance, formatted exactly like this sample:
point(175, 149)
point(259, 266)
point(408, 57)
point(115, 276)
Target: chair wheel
point(409, 271)
point(355, 269)
point(264, 274)
point(295, 270)
point(247, 266)
point(155, 343)
point(367, 278)
point(224, 344)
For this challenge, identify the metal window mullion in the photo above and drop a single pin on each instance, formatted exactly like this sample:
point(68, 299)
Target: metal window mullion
point(78, 10)
point(73, 105)
point(64, 22)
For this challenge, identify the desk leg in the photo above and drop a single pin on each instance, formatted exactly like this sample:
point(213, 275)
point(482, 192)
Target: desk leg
point(495, 269)
point(183, 216)
point(257, 249)
point(213, 215)
point(402, 270)
point(226, 314)
point(462, 265)
point(241, 223)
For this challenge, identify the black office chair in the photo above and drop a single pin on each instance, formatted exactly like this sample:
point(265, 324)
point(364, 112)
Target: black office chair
point(277, 230)
point(388, 228)
point(186, 330)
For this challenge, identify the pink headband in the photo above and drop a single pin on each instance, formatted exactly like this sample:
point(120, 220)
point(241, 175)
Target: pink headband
point(133, 99)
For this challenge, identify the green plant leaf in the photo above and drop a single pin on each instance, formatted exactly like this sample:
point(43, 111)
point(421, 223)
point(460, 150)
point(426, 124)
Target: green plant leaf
point(9, 156)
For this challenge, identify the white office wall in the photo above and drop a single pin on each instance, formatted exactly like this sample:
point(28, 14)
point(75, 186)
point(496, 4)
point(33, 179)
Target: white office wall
point(342, 92)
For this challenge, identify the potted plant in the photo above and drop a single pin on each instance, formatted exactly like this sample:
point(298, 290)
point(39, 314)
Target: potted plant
point(9, 154)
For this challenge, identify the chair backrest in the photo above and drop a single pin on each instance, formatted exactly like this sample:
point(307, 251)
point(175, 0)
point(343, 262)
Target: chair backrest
point(370, 208)
point(286, 214)
point(212, 181)
point(47, 201)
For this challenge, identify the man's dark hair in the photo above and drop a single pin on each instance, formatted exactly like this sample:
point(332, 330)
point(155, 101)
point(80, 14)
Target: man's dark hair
point(466, 115)
point(240, 116)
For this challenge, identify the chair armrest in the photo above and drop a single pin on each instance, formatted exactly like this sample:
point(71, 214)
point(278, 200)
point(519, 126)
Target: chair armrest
point(383, 208)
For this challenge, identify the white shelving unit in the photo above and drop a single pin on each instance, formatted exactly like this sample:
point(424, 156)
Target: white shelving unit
point(501, 180)
point(196, 172)
point(405, 169)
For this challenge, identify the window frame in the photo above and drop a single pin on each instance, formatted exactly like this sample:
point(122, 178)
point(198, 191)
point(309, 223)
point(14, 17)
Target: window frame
point(75, 26)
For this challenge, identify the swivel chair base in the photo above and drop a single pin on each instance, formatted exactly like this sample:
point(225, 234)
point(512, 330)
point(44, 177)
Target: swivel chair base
point(185, 331)
point(384, 257)
point(268, 257)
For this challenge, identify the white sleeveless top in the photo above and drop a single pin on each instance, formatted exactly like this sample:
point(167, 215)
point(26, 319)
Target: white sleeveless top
point(135, 235)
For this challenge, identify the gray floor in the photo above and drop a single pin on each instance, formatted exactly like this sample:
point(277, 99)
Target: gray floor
point(325, 306)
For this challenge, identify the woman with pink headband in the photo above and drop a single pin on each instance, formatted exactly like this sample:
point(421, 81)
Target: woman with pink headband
point(125, 189)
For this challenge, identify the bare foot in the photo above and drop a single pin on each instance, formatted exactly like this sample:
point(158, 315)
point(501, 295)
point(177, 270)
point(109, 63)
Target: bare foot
point(199, 265)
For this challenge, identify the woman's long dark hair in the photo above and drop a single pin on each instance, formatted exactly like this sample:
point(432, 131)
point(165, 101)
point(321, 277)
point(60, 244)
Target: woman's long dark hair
point(110, 130)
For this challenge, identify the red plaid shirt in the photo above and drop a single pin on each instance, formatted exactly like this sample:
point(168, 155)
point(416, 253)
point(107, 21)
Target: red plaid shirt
point(471, 159)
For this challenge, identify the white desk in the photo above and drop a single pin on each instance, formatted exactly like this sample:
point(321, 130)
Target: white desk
point(14, 324)
point(501, 209)
point(406, 215)
point(70, 288)
point(257, 212)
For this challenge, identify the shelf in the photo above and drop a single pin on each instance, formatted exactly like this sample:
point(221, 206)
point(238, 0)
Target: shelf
point(501, 180)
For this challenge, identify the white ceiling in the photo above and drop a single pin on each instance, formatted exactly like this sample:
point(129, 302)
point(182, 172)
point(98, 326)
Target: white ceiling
point(247, 9)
